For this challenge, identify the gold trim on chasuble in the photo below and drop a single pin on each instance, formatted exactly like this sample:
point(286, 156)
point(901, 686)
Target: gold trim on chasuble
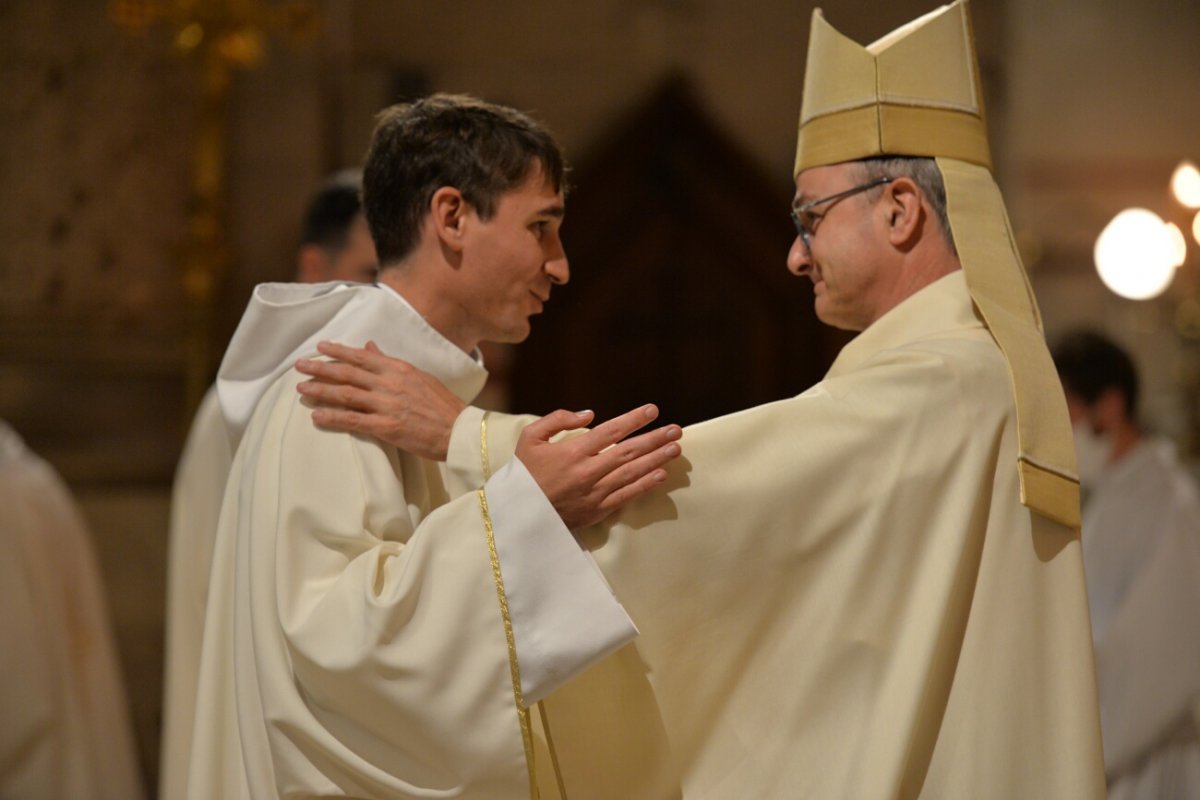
point(514, 667)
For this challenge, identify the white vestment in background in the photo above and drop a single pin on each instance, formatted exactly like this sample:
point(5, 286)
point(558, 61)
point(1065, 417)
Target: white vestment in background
point(195, 506)
point(64, 719)
point(1141, 553)
point(357, 640)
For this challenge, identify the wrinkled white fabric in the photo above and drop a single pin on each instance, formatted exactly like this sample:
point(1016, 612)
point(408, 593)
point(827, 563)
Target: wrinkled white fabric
point(195, 505)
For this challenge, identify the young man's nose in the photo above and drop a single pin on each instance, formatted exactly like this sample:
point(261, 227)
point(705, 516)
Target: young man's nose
point(558, 270)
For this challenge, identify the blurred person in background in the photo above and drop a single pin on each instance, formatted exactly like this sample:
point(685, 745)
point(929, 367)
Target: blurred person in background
point(335, 246)
point(65, 730)
point(1141, 557)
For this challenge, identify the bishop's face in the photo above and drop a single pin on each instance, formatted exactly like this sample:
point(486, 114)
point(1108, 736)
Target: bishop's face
point(510, 261)
point(842, 253)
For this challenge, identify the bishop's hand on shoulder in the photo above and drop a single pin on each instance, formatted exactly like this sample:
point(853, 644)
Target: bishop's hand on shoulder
point(364, 391)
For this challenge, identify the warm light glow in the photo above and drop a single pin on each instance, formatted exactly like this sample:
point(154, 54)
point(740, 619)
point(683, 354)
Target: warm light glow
point(1136, 254)
point(1178, 245)
point(1196, 228)
point(1185, 183)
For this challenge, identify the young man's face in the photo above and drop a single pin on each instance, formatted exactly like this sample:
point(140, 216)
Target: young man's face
point(510, 261)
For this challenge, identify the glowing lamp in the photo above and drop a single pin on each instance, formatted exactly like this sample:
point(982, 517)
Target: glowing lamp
point(1136, 254)
point(1185, 184)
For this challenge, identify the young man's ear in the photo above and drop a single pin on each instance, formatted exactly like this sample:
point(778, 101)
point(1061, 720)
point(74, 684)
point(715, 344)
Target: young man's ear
point(448, 208)
point(903, 204)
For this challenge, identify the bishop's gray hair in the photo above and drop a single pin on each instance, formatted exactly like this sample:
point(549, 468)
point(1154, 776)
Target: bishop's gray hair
point(925, 174)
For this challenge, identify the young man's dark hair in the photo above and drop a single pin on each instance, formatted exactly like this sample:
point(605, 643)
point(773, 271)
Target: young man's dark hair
point(1089, 364)
point(481, 149)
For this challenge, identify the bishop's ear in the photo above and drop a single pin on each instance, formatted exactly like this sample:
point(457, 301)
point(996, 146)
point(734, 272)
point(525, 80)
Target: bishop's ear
point(902, 199)
point(448, 209)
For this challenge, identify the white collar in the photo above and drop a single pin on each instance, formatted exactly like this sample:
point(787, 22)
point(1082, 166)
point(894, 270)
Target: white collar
point(284, 321)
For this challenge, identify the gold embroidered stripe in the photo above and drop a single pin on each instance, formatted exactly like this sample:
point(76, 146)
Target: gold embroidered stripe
point(522, 710)
point(483, 454)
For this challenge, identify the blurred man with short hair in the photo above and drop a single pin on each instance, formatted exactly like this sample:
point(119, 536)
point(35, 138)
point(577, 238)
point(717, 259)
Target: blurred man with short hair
point(1141, 555)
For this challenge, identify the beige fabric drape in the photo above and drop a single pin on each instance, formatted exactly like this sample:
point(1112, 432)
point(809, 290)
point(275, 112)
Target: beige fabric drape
point(843, 596)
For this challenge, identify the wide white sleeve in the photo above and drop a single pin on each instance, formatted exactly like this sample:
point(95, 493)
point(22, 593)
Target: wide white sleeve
point(564, 615)
point(465, 469)
point(563, 612)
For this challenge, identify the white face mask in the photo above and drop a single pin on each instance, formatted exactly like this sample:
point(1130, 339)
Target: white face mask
point(1093, 452)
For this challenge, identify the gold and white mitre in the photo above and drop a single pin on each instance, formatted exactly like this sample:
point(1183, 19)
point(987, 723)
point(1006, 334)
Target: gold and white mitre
point(916, 92)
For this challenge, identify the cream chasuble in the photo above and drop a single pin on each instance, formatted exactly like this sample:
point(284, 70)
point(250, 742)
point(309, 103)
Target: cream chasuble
point(376, 626)
point(64, 718)
point(842, 596)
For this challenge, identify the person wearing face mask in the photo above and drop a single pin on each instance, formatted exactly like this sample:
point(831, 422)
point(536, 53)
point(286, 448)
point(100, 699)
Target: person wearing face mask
point(1141, 556)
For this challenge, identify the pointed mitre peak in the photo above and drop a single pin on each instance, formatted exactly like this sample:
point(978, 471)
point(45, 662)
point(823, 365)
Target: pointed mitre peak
point(913, 92)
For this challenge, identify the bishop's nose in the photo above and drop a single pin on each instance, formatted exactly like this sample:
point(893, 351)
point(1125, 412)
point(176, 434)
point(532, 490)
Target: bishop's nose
point(799, 260)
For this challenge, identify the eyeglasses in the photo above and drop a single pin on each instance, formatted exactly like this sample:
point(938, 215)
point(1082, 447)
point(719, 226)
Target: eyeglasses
point(806, 219)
